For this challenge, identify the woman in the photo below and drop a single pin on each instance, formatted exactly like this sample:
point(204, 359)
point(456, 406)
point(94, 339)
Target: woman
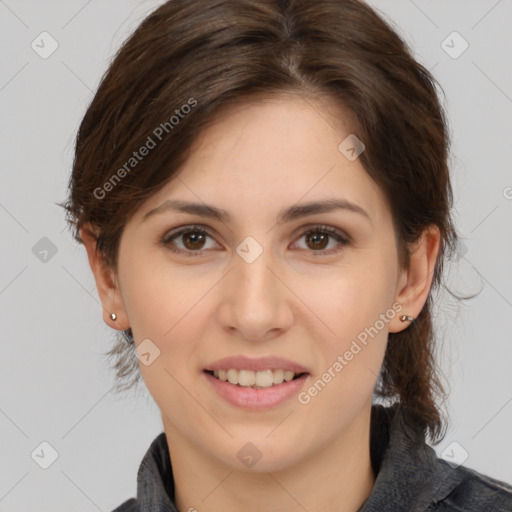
point(263, 192)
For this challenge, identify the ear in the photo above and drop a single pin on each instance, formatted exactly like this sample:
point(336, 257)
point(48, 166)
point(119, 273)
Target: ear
point(414, 284)
point(105, 278)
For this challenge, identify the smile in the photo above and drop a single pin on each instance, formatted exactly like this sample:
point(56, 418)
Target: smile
point(252, 396)
point(255, 379)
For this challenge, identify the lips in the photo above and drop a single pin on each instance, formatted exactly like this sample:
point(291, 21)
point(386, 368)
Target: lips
point(256, 383)
point(256, 398)
point(256, 364)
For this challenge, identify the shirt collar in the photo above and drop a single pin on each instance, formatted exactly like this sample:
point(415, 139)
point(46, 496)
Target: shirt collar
point(409, 474)
point(407, 471)
point(155, 483)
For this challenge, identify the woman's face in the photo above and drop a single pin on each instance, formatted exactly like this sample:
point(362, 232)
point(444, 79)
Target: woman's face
point(264, 281)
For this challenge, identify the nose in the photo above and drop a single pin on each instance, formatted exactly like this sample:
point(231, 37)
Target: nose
point(256, 303)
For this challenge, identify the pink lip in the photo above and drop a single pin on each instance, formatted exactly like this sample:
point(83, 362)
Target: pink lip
point(256, 364)
point(256, 399)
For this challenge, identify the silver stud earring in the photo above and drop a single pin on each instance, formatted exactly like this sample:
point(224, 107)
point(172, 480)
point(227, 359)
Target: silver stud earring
point(113, 316)
point(406, 318)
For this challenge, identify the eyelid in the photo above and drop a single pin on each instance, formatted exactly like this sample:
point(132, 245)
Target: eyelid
point(186, 227)
point(331, 230)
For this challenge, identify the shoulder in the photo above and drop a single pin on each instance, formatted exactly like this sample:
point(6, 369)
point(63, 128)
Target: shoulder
point(128, 506)
point(471, 491)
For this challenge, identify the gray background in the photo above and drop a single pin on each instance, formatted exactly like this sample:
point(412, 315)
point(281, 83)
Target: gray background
point(55, 386)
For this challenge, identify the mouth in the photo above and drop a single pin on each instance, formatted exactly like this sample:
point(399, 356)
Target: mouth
point(261, 379)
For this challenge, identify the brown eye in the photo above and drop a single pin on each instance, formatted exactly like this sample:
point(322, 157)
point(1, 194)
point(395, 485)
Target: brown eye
point(190, 241)
point(318, 238)
point(193, 240)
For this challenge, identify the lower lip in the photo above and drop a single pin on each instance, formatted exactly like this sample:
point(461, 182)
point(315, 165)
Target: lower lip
point(256, 399)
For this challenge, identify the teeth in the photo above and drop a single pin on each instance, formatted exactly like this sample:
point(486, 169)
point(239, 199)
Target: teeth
point(288, 375)
point(250, 379)
point(265, 378)
point(233, 376)
point(246, 378)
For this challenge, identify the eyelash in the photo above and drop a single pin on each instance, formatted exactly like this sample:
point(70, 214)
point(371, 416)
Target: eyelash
point(318, 229)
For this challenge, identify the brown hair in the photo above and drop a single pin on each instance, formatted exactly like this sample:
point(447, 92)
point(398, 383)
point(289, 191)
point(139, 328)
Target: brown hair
point(209, 53)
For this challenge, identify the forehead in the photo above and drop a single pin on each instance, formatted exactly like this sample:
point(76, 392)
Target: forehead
point(270, 152)
point(272, 129)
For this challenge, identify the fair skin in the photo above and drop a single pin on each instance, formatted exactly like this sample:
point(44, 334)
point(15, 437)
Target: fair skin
point(297, 300)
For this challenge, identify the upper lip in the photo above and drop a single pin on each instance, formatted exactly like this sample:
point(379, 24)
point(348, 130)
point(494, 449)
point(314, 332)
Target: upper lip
point(256, 364)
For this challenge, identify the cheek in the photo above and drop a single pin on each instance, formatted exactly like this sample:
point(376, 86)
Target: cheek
point(349, 299)
point(167, 309)
point(156, 297)
point(355, 310)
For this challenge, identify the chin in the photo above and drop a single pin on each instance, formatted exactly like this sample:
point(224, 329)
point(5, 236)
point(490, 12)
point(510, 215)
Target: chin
point(255, 454)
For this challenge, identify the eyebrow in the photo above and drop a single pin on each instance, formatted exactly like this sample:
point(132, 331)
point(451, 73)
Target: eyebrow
point(289, 214)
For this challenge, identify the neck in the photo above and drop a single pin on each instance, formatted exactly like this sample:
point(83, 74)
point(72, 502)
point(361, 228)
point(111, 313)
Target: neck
point(337, 478)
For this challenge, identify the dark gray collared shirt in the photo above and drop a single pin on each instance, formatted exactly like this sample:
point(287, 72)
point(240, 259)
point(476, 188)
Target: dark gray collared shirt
point(409, 475)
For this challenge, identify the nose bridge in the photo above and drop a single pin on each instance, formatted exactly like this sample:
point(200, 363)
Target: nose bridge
point(257, 299)
point(254, 280)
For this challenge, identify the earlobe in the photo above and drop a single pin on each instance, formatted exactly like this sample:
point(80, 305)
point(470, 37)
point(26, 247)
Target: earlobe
point(415, 282)
point(114, 313)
